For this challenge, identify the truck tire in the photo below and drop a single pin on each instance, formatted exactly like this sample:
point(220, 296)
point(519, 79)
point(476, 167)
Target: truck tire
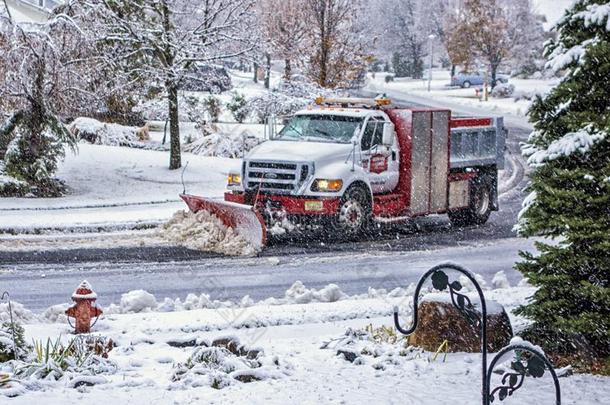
point(479, 208)
point(354, 212)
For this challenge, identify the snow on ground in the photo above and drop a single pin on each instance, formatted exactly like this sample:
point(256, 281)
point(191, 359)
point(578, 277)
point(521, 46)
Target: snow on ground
point(441, 92)
point(162, 358)
point(114, 185)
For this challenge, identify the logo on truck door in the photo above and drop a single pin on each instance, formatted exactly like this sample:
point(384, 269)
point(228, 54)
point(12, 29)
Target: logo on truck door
point(378, 164)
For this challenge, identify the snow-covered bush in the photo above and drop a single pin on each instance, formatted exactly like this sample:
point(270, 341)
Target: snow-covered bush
point(503, 90)
point(226, 361)
point(238, 107)
point(275, 103)
point(101, 133)
point(55, 361)
point(213, 107)
point(7, 349)
point(10, 186)
point(232, 144)
point(34, 152)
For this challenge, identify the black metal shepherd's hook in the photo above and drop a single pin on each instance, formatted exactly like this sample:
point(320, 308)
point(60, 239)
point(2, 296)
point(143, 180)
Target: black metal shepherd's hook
point(462, 302)
point(6, 295)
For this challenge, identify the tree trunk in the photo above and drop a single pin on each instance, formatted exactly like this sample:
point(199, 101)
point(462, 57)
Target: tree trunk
point(174, 128)
point(453, 67)
point(494, 73)
point(322, 78)
point(287, 70)
point(255, 72)
point(267, 70)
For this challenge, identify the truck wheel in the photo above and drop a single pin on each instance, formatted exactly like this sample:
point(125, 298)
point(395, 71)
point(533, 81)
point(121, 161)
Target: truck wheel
point(479, 209)
point(354, 212)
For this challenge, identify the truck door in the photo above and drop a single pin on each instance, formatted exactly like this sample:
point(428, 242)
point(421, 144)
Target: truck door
point(380, 162)
point(429, 162)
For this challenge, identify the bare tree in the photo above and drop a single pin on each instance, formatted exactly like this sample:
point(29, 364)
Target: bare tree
point(165, 40)
point(339, 47)
point(284, 28)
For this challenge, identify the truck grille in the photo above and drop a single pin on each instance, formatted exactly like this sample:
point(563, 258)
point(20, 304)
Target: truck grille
point(278, 177)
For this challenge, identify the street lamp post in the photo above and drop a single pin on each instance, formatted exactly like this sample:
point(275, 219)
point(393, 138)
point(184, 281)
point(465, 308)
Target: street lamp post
point(431, 38)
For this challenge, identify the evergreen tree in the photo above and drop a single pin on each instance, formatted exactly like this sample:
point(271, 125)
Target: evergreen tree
point(569, 199)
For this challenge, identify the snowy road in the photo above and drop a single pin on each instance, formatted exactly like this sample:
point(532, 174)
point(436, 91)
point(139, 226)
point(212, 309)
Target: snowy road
point(394, 258)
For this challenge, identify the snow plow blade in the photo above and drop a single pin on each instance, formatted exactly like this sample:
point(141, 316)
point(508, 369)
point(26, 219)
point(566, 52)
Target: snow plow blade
point(243, 219)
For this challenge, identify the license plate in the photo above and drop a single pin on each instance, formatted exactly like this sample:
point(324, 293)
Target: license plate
point(314, 206)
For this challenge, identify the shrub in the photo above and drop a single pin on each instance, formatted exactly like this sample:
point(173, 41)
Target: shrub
point(238, 107)
point(213, 106)
point(389, 78)
point(503, 90)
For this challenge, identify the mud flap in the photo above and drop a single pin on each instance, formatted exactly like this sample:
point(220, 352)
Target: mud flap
point(243, 219)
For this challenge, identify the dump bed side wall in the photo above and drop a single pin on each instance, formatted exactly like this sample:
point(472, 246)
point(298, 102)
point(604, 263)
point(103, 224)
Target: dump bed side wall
point(479, 144)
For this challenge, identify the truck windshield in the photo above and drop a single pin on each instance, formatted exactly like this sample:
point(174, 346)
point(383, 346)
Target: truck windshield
point(321, 128)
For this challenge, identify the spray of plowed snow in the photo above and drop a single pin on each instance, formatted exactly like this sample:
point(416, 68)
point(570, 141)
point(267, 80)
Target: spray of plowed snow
point(204, 231)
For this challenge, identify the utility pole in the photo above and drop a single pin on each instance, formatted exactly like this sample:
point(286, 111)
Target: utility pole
point(431, 38)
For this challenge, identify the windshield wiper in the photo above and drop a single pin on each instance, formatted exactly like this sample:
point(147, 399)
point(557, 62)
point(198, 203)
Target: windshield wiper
point(320, 131)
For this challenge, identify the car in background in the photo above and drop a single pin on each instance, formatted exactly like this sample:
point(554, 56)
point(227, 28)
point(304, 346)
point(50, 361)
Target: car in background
point(212, 78)
point(467, 79)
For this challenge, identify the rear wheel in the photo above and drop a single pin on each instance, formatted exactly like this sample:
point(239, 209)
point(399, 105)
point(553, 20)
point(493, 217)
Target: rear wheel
point(479, 208)
point(466, 84)
point(354, 213)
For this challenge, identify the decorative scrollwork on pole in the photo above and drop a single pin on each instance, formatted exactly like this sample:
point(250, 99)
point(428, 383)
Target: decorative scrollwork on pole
point(440, 281)
point(529, 362)
point(532, 365)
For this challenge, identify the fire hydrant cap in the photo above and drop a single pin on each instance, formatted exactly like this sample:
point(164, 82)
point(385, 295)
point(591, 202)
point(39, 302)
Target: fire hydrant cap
point(84, 292)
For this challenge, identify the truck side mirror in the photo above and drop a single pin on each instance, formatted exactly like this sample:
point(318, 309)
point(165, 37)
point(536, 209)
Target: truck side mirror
point(388, 134)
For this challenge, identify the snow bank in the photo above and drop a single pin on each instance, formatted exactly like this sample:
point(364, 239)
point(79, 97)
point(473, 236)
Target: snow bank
point(299, 294)
point(204, 231)
point(20, 313)
point(500, 280)
point(101, 133)
point(137, 301)
point(230, 145)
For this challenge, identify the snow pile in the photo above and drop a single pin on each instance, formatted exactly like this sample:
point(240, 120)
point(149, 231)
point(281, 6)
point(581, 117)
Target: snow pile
point(224, 363)
point(137, 301)
point(500, 280)
point(299, 294)
point(574, 142)
point(204, 231)
point(20, 313)
point(101, 133)
point(55, 313)
point(231, 145)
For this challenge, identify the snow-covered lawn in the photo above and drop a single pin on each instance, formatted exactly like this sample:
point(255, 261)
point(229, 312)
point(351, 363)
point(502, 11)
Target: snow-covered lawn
point(110, 185)
point(442, 92)
point(294, 368)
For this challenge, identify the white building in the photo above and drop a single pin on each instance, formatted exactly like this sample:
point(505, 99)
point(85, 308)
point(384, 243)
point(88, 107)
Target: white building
point(30, 10)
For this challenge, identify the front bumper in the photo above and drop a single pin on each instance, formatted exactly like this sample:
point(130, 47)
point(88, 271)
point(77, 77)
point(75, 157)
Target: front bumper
point(291, 205)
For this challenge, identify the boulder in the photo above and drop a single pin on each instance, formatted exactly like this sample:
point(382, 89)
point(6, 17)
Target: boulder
point(440, 320)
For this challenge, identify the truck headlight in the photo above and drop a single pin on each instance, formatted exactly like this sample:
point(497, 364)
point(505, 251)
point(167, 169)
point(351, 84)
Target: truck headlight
point(233, 180)
point(327, 185)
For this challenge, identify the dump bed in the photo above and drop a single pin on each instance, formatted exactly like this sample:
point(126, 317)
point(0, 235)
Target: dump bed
point(477, 142)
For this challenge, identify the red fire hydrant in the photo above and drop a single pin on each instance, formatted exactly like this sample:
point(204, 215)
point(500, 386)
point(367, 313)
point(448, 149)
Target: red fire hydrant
point(84, 307)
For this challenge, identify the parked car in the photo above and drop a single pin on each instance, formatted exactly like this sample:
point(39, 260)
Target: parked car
point(214, 79)
point(467, 79)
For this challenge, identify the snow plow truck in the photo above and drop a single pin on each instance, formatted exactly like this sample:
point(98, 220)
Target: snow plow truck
point(352, 162)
